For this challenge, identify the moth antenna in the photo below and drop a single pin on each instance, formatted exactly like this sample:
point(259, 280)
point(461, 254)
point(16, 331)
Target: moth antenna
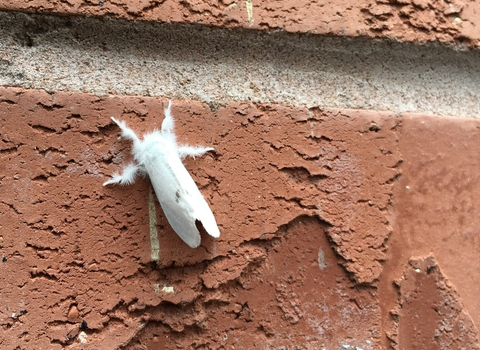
point(168, 123)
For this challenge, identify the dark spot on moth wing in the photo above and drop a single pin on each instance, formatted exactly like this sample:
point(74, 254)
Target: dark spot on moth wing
point(177, 196)
point(200, 228)
point(207, 240)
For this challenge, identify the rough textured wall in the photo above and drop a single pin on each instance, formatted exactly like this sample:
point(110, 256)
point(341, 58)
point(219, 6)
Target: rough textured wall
point(272, 168)
point(304, 200)
point(450, 22)
point(110, 56)
point(340, 228)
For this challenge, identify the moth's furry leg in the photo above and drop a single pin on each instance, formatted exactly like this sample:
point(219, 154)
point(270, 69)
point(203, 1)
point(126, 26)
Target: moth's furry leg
point(168, 123)
point(127, 177)
point(142, 170)
point(192, 151)
point(127, 133)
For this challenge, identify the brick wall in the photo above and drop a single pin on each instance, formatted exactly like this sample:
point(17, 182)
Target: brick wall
point(343, 177)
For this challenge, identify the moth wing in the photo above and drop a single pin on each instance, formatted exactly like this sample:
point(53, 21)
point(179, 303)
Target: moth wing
point(182, 223)
point(201, 210)
point(204, 214)
point(180, 199)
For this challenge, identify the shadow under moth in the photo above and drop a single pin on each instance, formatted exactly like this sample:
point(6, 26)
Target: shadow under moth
point(160, 157)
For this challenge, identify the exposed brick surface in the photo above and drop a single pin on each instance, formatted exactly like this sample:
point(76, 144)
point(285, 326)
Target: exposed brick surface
point(434, 201)
point(406, 20)
point(340, 228)
point(306, 201)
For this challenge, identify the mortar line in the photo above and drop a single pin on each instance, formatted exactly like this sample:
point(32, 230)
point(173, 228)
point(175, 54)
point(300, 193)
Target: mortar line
point(217, 66)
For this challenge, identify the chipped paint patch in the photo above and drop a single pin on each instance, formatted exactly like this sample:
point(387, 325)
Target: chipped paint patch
point(152, 216)
point(82, 337)
point(250, 12)
point(321, 259)
point(167, 289)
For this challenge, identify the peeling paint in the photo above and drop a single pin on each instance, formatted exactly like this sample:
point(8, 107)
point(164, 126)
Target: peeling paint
point(424, 290)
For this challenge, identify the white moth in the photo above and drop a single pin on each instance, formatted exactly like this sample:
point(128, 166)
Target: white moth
point(159, 156)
